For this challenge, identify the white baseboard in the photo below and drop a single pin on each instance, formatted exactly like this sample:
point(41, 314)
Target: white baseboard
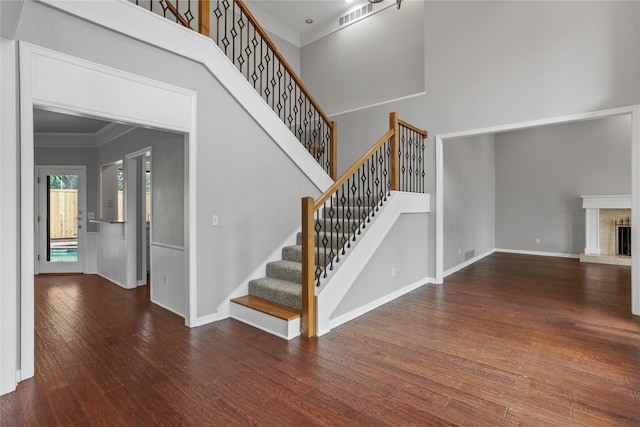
point(538, 253)
point(168, 308)
point(112, 281)
point(467, 263)
point(205, 320)
point(374, 304)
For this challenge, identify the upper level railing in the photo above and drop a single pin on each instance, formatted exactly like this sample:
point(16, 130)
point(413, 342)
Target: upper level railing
point(332, 223)
point(237, 32)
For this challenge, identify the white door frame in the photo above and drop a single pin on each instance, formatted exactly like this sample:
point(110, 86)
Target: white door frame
point(633, 110)
point(133, 221)
point(55, 81)
point(81, 171)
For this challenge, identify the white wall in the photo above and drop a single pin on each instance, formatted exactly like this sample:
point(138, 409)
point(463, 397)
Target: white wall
point(111, 253)
point(469, 198)
point(541, 174)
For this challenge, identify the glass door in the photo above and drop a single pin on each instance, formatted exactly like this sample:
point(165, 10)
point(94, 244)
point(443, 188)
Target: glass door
point(61, 220)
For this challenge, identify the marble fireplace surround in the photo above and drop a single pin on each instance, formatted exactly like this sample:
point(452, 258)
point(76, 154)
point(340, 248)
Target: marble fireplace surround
point(600, 212)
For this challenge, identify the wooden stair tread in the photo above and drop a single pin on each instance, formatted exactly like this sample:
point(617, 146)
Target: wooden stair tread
point(274, 309)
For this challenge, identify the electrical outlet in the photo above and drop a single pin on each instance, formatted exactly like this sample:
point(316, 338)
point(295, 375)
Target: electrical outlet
point(165, 279)
point(214, 220)
point(537, 241)
point(393, 272)
point(459, 251)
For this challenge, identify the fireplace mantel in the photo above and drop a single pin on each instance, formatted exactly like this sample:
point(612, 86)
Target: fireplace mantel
point(592, 206)
point(606, 202)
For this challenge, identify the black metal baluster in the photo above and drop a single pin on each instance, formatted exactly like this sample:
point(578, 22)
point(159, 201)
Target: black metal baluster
point(319, 267)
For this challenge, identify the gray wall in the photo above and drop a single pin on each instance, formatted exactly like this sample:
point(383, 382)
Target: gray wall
point(541, 174)
point(290, 52)
point(407, 255)
point(373, 60)
point(469, 198)
point(496, 63)
point(241, 174)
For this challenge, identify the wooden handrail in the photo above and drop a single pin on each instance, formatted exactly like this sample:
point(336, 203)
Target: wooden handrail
point(284, 62)
point(422, 132)
point(177, 14)
point(310, 207)
point(351, 170)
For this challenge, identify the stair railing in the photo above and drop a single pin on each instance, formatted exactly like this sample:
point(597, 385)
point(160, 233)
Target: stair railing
point(239, 35)
point(248, 46)
point(333, 222)
point(182, 12)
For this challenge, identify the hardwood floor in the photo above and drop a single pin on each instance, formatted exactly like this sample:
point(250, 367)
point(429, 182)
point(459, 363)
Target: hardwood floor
point(510, 340)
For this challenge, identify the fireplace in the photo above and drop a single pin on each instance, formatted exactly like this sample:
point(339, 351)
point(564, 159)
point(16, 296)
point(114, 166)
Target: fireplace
point(608, 229)
point(623, 238)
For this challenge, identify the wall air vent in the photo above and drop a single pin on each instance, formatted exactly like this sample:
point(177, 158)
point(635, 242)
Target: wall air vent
point(356, 15)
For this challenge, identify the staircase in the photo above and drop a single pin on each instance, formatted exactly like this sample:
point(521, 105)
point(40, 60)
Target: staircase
point(277, 298)
point(286, 301)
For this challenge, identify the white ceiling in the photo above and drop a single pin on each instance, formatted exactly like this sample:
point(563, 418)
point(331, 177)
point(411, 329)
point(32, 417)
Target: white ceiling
point(293, 13)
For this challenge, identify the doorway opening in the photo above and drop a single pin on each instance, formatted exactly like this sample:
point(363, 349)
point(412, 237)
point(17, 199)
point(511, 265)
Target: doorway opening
point(60, 206)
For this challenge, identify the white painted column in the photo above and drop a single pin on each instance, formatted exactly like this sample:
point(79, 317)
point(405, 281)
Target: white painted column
point(592, 234)
point(9, 334)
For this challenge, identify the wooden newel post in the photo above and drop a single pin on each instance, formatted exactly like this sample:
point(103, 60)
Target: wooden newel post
point(333, 151)
point(394, 172)
point(204, 12)
point(308, 269)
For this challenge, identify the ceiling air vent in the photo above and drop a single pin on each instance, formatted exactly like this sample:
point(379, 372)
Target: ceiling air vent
point(355, 15)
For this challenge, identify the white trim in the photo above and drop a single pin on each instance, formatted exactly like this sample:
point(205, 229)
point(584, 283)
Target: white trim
point(344, 318)
point(537, 253)
point(168, 308)
point(205, 320)
point(285, 329)
point(166, 245)
point(635, 207)
point(606, 202)
point(190, 216)
point(633, 110)
point(112, 280)
point(377, 104)
point(37, 90)
point(9, 217)
point(27, 170)
point(468, 262)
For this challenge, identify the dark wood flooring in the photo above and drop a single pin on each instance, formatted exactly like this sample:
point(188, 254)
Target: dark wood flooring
point(510, 340)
